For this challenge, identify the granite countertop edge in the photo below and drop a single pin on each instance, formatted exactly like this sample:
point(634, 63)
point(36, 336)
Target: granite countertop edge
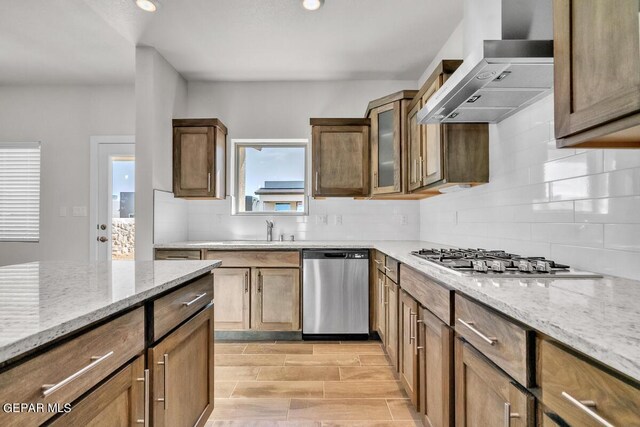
point(623, 362)
point(25, 346)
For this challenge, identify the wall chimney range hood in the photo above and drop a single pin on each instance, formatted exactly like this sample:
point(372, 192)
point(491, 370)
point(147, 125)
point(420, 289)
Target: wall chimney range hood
point(508, 63)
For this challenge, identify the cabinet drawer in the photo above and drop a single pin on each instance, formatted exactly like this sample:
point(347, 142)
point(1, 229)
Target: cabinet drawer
point(70, 369)
point(256, 258)
point(436, 298)
point(172, 309)
point(568, 382)
point(391, 268)
point(502, 341)
point(162, 254)
point(379, 260)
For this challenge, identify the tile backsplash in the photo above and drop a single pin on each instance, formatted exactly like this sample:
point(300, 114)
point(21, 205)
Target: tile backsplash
point(328, 219)
point(580, 207)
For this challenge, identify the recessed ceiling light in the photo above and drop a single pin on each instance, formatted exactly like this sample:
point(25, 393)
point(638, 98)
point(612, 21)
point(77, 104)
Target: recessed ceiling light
point(147, 5)
point(312, 4)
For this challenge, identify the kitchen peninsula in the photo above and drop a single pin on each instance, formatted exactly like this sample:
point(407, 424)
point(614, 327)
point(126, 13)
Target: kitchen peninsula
point(76, 334)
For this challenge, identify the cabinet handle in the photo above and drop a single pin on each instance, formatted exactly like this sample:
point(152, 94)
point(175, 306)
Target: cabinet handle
point(412, 331)
point(316, 181)
point(376, 261)
point(586, 407)
point(165, 368)
point(145, 380)
point(187, 304)
point(49, 389)
point(259, 282)
point(415, 170)
point(209, 182)
point(376, 180)
point(177, 257)
point(469, 325)
point(246, 282)
point(387, 269)
point(420, 164)
point(508, 414)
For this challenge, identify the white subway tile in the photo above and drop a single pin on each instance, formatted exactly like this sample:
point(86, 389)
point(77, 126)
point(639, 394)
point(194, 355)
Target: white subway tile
point(620, 183)
point(590, 235)
point(544, 212)
point(588, 163)
point(615, 263)
point(621, 159)
point(623, 210)
point(624, 237)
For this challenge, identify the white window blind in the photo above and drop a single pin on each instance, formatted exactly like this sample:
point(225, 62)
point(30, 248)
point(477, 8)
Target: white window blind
point(20, 192)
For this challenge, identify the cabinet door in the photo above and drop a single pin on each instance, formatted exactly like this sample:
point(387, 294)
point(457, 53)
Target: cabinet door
point(485, 396)
point(431, 164)
point(392, 321)
point(276, 299)
point(415, 141)
point(382, 305)
point(340, 161)
point(596, 63)
point(385, 149)
point(193, 161)
point(181, 368)
point(435, 347)
point(408, 348)
point(121, 401)
point(231, 292)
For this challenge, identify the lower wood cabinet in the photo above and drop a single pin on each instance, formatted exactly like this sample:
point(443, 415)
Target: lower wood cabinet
point(181, 367)
point(435, 367)
point(485, 396)
point(408, 348)
point(276, 299)
point(232, 292)
point(391, 311)
point(381, 304)
point(120, 401)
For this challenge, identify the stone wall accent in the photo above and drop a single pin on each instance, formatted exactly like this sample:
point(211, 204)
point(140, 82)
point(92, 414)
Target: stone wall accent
point(123, 231)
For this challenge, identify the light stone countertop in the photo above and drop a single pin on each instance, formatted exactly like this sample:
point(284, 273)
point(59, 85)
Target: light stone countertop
point(43, 301)
point(597, 317)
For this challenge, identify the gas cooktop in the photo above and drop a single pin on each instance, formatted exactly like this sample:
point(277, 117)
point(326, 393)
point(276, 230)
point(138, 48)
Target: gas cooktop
point(492, 263)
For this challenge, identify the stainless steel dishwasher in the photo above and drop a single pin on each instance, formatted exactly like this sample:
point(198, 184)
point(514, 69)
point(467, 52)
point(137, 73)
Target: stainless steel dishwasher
point(335, 293)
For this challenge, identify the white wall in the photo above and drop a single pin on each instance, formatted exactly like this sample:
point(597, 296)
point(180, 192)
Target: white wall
point(452, 49)
point(63, 118)
point(283, 110)
point(161, 95)
point(579, 207)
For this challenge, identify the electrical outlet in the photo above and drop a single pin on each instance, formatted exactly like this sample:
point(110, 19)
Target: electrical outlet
point(404, 220)
point(321, 219)
point(338, 220)
point(79, 211)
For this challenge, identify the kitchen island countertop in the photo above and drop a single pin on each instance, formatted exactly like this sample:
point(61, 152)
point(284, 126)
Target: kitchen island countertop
point(41, 302)
point(599, 317)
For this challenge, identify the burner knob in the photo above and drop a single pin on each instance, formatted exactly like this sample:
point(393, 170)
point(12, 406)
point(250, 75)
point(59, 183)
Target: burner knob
point(526, 266)
point(543, 266)
point(498, 266)
point(480, 266)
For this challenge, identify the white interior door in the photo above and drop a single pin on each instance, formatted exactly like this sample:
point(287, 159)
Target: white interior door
point(115, 228)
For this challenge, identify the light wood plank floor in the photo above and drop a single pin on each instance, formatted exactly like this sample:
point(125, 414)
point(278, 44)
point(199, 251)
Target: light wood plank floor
point(320, 384)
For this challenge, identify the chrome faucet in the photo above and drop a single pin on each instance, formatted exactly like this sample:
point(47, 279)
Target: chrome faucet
point(269, 230)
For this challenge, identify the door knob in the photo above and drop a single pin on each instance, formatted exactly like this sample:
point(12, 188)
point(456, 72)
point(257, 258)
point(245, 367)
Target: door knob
point(102, 239)
point(103, 226)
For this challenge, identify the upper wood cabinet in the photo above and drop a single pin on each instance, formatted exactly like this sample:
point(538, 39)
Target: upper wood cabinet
point(441, 155)
point(181, 367)
point(340, 157)
point(597, 73)
point(388, 142)
point(199, 158)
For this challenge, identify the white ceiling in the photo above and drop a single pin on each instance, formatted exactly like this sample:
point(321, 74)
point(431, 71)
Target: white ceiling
point(92, 41)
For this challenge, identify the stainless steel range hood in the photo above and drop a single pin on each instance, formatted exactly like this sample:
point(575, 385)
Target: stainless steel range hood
point(497, 77)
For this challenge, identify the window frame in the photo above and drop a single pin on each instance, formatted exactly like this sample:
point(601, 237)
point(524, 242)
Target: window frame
point(22, 145)
point(236, 144)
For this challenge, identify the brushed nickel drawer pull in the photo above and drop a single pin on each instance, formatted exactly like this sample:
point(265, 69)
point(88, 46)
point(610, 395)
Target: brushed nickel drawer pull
point(145, 380)
point(387, 269)
point(412, 331)
point(193, 301)
point(469, 325)
point(376, 261)
point(209, 182)
point(246, 282)
point(586, 406)
point(316, 181)
point(177, 257)
point(508, 414)
point(165, 368)
point(49, 389)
